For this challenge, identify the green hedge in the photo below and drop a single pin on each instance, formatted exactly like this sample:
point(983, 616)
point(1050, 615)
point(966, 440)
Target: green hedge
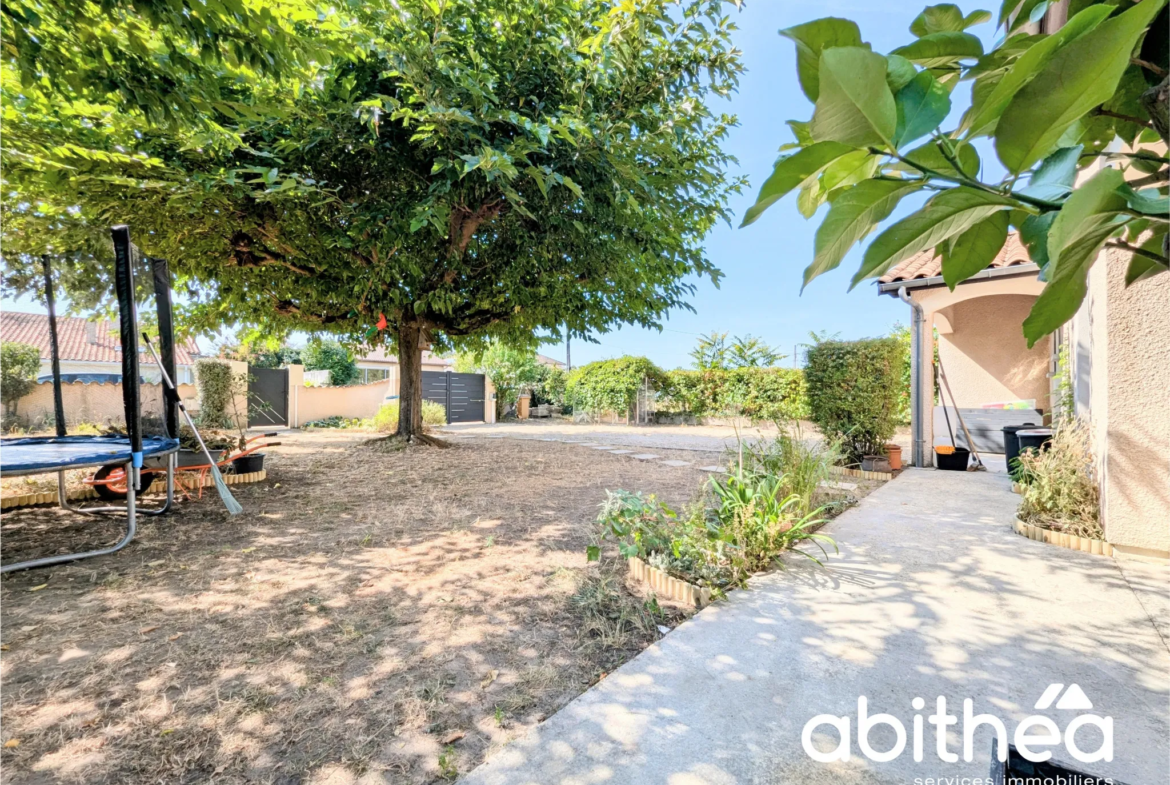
point(611, 385)
point(217, 389)
point(758, 393)
point(854, 389)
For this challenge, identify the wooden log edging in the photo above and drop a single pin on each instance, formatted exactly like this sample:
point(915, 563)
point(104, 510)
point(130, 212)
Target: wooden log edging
point(86, 493)
point(841, 471)
point(1061, 539)
point(668, 586)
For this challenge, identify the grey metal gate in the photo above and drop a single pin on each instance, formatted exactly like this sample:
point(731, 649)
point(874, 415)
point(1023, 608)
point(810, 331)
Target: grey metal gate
point(460, 394)
point(267, 397)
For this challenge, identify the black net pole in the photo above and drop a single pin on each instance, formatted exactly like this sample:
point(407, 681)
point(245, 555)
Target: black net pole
point(166, 341)
point(54, 349)
point(124, 286)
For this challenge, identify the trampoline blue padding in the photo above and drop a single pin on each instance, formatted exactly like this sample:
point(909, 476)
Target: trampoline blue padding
point(37, 454)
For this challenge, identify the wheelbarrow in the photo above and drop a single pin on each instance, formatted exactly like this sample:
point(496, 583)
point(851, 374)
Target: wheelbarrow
point(109, 482)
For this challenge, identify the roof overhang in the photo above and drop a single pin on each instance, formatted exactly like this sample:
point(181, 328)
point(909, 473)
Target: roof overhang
point(1029, 269)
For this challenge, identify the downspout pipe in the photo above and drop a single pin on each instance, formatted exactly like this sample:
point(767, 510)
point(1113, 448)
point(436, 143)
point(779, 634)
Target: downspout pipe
point(918, 448)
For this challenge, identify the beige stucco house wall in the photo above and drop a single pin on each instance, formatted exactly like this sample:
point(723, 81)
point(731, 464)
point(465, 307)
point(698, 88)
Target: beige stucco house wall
point(1121, 381)
point(984, 352)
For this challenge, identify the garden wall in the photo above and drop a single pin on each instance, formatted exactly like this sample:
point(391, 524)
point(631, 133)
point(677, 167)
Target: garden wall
point(354, 401)
point(96, 403)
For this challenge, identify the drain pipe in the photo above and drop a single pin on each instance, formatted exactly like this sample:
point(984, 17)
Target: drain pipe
point(918, 447)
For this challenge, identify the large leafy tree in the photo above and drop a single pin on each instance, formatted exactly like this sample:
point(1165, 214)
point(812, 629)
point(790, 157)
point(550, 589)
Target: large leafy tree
point(471, 170)
point(1053, 105)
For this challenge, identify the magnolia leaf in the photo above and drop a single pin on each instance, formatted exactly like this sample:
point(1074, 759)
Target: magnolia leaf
point(853, 213)
point(1142, 267)
point(1030, 11)
point(930, 155)
point(973, 250)
point(814, 37)
point(1148, 200)
point(946, 18)
point(949, 213)
point(793, 170)
point(1079, 77)
point(1067, 279)
point(944, 48)
point(855, 105)
point(1034, 236)
point(987, 106)
point(899, 72)
point(921, 106)
point(849, 169)
point(1054, 179)
point(1100, 196)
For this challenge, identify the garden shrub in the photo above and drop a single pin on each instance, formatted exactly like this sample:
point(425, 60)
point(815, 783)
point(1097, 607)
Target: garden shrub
point(217, 388)
point(386, 420)
point(1058, 486)
point(329, 355)
point(854, 389)
point(758, 393)
point(611, 385)
point(19, 364)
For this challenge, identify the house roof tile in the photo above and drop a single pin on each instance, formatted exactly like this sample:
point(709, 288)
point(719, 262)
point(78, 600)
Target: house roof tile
point(33, 329)
point(928, 264)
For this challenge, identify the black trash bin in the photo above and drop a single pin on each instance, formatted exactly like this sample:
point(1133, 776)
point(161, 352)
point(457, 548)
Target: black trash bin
point(1011, 444)
point(1034, 438)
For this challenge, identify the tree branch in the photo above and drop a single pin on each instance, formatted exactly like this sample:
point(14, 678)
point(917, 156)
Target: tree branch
point(1151, 67)
point(1043, 204)
point(1126, 117)
point(1124, 246)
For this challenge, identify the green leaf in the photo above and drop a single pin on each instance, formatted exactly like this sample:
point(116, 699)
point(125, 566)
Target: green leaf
point(921, 106)
point(852, 215)
point(899, 72)
point(1142, 267)
point(930, 155)
point(1055, 178)
point(849, 169)
point(1148, 200)
point(1034, 236)
point(973, 250)
point(793, 170)
point(1079, 77)
point(990, 105)
point(937, 49)
point(1089, 217)
point(592, 553)
point(1067, 280)
point(810, 197)
point(946, 18)
point(855, 105)
point(1099, 197)
point(949, 213)
point(814, 37)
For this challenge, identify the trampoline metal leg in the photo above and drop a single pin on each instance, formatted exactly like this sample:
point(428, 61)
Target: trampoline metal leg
point(131, 530)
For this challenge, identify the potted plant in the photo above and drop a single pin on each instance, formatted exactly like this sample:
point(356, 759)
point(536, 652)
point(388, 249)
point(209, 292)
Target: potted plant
point(894, 454)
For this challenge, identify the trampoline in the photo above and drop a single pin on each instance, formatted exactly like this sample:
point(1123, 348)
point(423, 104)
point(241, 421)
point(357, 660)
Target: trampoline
point(47, 454)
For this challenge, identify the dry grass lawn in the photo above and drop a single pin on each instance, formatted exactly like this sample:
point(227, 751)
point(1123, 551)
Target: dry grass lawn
point(374, 616)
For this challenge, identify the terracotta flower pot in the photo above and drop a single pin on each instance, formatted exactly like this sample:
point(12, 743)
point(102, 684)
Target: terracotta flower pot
point(894, 453)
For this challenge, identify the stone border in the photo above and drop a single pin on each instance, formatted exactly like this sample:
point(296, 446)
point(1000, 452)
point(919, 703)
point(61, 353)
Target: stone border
point(864, 475)
point(667, 586)
point(83, 494)
point(1070, 541)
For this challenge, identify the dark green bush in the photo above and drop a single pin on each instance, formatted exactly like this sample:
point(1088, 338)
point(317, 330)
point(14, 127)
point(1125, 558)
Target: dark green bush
point(329, 355)
point(758, 393)
point(19, 364)
point(854, 389)
point(611, 385)
point(217, 390)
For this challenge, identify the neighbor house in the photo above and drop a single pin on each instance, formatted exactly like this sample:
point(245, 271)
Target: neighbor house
point(378, 365)
point(90, 350)
point(1115, 352)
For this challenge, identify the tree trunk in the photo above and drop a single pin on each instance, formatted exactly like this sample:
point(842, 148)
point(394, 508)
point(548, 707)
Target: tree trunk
point(410, 424)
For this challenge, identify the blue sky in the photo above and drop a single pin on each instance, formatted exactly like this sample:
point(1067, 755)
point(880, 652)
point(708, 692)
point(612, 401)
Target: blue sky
point(762, 264)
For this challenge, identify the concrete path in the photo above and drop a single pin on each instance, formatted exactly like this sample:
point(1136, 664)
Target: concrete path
point(932, 595)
